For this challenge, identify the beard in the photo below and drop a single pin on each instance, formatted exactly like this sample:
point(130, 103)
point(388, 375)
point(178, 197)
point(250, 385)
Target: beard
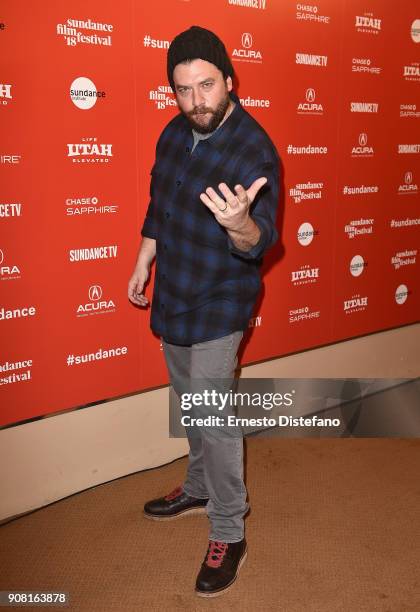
point(216, 116)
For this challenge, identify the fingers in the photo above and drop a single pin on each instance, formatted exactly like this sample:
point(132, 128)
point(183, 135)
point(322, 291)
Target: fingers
point(255, 187)
point(230, 197)
point(215, 198)
point(135, 294)
point(209, 203)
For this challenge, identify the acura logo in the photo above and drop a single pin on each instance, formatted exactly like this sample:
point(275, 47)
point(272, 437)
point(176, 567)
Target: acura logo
point(362, 139)
point(246, 40)
point(310, 94)
point(95, 293)
point(408, 178)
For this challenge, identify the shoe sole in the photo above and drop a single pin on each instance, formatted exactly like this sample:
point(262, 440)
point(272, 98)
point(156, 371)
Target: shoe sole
point(228, 586)
point(172, 517)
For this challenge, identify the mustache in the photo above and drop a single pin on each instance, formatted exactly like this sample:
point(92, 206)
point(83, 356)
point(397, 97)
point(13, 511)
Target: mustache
point(199, 111)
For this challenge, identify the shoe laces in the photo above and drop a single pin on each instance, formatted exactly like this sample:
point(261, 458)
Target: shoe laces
point(216, 553)
point(175, 493)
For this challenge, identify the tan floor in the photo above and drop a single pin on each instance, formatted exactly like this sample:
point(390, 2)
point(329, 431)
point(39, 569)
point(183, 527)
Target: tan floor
point(334, 526)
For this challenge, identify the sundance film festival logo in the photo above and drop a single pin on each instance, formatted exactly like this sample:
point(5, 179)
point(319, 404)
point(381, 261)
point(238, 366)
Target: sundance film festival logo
point(98, 34)
point(309, 12)
point(356, 303)
point(83, 93)
point(359, 227)
point(5, 94)
point(11, 210)
point(247, 53)
point(306, 234)
point(304, 276)
point(304, 313)
point(364, 107)
point(89, 151)
point(415, 31)
point(163, 97)
point(256, 4)
point(409, 110)
point(88, 206)
point(8, 272)
point(364, 64)
point(357, 265)
point(306, 191)
point(412, 72)
point(308, 59)
point(404, 258)
point(409, 186)
point(401, 294)
point(310, 106)
point(96, 304)
point(11, 369)
point(362, 149)
point(368, 24)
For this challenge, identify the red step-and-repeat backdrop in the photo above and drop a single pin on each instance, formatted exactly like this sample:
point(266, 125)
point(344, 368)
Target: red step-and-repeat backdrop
point(335, 83)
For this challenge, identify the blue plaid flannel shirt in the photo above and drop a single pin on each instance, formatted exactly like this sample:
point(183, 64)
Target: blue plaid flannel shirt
point(205, 287)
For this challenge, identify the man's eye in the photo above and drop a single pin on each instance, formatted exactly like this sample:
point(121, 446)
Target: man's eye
point(207, 85)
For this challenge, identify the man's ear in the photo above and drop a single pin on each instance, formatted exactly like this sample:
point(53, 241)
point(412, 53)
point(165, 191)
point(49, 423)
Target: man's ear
point(229, 83)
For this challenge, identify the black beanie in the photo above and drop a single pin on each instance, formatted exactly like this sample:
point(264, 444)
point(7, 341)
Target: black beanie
point(198, 43)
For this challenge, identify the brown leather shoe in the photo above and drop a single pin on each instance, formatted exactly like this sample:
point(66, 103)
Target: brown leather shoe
point(175, 504)
point(220, 567)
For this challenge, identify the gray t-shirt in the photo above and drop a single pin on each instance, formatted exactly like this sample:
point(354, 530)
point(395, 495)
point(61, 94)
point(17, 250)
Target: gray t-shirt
point(197, 137)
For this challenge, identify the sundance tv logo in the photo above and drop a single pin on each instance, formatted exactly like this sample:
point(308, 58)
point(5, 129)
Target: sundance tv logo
point(247, 53)
point(89, 151)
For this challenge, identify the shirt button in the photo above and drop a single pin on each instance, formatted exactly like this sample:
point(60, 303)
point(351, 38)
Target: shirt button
point(162, 305)
point(165, 247)
point(167, 215)
point(178, 183)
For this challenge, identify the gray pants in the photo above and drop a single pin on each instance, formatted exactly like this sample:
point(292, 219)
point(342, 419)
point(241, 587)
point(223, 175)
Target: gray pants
point(215, 467)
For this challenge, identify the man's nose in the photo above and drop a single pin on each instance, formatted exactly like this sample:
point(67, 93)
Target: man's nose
point(197, 97)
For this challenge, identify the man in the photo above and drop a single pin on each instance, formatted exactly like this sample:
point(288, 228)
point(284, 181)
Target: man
point(211, 217)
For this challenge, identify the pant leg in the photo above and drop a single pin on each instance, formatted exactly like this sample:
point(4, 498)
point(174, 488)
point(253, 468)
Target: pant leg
point(178, 361)
point(212, 367)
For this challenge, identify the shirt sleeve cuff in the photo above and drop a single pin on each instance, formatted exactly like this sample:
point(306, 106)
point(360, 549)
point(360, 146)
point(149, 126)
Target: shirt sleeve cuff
point(257, 251)
point(148, 230)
